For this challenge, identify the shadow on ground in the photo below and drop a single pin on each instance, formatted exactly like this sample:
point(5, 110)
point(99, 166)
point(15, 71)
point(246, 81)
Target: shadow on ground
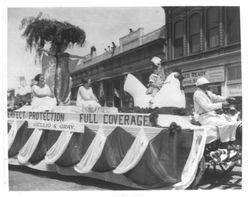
point(22, 178)
point(217, 180)
point(60, 180)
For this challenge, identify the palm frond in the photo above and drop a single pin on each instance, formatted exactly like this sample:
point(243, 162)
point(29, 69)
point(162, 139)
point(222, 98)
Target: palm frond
point(38, 31)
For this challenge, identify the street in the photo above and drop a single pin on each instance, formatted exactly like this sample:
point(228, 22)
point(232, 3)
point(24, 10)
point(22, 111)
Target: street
point(213, 180)
point(25, 179)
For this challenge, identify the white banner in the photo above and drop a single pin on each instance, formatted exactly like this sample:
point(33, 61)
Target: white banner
point(121, 119)
point(58, 126)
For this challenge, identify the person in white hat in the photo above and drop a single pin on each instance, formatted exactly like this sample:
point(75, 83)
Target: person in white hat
point(157, 78)
point(205, 104)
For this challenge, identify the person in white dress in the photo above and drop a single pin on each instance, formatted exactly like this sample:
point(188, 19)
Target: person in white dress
point(43, 99)
point(205, 104)
point(86, 98)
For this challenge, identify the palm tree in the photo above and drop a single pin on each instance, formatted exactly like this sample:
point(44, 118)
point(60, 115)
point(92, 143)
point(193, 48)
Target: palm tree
point(61, 35)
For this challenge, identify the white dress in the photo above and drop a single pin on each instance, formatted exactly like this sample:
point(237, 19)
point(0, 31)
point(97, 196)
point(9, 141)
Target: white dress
point(86, 99)
point(42, 103)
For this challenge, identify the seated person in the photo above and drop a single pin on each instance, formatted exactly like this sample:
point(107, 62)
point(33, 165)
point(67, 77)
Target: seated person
point(157, 78)
point(86, 97)
point(43, 99)
point(205, 104)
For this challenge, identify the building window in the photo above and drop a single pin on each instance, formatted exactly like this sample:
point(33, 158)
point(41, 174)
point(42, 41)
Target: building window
point(194, 33)
point(233, 25)
point(178, 39)
point(234, 73)
point(212, 27)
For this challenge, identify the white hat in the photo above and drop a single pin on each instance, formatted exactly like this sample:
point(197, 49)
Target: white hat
point(156, 60)
point(202, 81)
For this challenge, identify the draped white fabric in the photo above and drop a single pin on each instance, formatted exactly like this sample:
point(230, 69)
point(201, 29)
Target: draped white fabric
point(42, 104)
point(226, 129)
point(134, 154)
point(227, 133)
point(191, 166)
point(170, 95)
point(212, 133)
point(12, 133)
point(56, 151)
point(30, 146)
point(137, 90)
point(93, 153)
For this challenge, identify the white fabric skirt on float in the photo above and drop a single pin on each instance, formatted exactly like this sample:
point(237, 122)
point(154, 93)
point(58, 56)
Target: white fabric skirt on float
point(42, 104)
point(91, 105)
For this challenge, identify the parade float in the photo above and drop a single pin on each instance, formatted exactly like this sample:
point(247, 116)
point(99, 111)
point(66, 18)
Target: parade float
point(151, 146)
point(146, 148)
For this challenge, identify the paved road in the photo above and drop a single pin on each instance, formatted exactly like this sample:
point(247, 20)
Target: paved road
point(25, 179)
point(212, 180)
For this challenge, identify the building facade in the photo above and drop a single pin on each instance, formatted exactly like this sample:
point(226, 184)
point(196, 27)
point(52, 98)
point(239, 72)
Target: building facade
point(108, 70)
point(205, 41)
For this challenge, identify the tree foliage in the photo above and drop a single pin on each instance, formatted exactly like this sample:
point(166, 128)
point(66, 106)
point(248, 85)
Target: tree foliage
point(38, 31)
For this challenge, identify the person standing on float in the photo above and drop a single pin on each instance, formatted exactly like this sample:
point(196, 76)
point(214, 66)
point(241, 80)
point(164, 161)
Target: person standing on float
point(62, 75)
point(40, 31)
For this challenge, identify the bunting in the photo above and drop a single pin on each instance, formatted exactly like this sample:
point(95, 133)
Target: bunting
point(148, 158)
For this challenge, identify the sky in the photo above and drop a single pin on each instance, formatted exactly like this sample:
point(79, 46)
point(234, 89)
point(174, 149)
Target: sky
point(102, 25)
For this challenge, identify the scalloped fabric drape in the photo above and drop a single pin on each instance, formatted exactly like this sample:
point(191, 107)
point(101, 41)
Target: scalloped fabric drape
point(151, 162)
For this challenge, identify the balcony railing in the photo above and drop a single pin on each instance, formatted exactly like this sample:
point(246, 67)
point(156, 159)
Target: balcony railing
point(159, 33)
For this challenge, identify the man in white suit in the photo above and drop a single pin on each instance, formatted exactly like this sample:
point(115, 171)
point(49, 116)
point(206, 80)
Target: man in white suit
point(205, 104)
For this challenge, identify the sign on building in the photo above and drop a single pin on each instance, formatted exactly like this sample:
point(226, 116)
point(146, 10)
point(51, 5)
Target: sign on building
point(234, 90)
point(216, 74)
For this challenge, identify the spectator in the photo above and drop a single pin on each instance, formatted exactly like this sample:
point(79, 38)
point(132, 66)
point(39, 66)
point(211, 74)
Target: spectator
point(109, 49)
point(113, 48)
point(93, 51)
